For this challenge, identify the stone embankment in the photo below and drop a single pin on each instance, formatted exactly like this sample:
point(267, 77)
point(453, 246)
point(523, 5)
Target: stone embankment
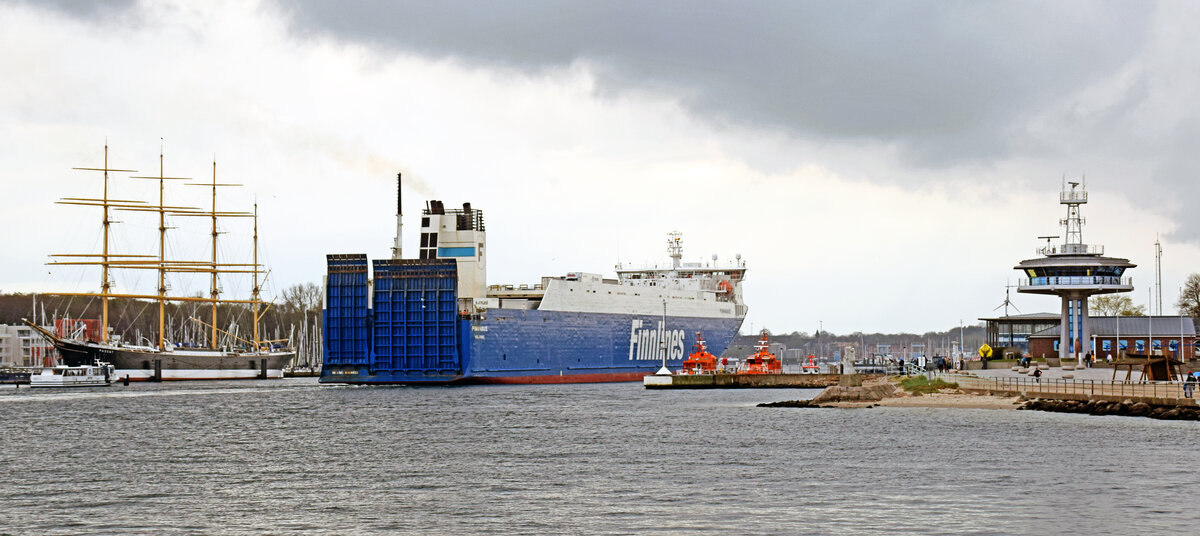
point(1127, 408)
point(837, 393)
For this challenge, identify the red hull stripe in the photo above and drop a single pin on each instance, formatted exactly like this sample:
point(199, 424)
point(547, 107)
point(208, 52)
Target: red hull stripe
point(574, 378)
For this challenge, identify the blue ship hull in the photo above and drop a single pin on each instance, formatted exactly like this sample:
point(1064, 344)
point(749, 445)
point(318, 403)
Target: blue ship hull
point(414, 334)
point(515, 346)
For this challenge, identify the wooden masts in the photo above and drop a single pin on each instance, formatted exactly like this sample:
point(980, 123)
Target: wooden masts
point(105, 202)
point(254, 286)
point(109, 261)
point(214, 291)
point(162, 247)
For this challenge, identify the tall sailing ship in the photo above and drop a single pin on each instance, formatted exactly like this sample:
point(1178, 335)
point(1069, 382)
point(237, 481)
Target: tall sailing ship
point(226, 356)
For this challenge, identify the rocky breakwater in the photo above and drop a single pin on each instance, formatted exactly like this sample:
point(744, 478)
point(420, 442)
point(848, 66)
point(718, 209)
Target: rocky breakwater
point(1125, 408)
point(839, 394)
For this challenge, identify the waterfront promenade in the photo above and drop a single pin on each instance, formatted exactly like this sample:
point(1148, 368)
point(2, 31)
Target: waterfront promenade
point(1087, 384)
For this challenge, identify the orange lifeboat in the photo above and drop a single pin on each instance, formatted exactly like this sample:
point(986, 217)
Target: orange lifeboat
point(700, 361)
point(762, 361)
point(725, 286)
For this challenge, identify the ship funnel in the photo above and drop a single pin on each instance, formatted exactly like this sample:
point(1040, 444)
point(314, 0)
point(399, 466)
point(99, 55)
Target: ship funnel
point(397, 247)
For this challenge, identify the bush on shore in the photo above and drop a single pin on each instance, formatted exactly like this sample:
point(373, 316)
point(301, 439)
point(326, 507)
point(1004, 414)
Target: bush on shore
point(920, 385)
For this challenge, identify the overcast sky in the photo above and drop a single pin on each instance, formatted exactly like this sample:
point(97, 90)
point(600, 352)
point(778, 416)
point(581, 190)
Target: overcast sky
point(880, 166)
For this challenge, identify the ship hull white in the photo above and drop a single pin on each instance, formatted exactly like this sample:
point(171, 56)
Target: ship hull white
point(139, 374)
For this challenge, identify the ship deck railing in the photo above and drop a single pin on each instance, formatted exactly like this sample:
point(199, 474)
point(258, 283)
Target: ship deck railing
point(501, 288)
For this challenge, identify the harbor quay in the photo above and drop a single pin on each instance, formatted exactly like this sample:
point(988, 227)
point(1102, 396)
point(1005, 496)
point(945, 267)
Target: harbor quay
point(752, 381)
point(1095, 384)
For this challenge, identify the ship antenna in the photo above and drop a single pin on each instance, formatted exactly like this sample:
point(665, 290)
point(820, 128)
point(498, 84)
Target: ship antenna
point(675, 248)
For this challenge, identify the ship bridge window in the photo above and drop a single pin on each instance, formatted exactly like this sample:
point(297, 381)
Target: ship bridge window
point(456, 252)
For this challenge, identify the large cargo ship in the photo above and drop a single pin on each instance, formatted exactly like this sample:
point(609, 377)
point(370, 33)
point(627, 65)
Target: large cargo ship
point(434, 319)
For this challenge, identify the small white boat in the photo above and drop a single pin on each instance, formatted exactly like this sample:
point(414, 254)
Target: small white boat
point(98, 375)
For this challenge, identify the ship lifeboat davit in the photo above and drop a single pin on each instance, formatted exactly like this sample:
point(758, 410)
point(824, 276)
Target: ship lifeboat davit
point(762, 361)
point(726, 288)
point(700, 361)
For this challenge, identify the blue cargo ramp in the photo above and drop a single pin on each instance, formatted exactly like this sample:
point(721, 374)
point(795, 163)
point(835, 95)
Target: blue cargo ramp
point(346, 314)
point(416, 318)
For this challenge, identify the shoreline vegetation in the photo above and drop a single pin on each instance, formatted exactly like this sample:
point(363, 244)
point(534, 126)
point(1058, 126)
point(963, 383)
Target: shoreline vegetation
point(920, 392)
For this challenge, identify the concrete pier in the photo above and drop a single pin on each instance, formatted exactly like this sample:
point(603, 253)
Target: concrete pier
point(744, 381)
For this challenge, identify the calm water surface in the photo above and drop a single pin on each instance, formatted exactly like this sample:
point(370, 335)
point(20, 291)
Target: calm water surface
point(293, 457)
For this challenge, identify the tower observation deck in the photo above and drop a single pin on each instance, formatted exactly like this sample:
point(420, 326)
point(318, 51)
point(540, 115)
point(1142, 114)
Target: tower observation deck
point(1074, 271)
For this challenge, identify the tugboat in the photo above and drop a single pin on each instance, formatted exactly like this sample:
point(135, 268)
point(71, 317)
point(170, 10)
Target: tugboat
point(811, 367)
point(762, 361)
point(700, 361)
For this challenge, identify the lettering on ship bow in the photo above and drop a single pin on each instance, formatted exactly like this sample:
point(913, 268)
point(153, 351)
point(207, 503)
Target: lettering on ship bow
point(644, 343)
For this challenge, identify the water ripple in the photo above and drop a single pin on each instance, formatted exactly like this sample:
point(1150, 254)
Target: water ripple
point(291, 456)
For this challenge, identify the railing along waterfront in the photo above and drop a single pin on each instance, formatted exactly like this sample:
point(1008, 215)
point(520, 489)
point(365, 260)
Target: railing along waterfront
point(1050, 387)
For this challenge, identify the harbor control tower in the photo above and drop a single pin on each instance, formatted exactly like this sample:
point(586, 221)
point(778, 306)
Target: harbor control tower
point(1074, 271)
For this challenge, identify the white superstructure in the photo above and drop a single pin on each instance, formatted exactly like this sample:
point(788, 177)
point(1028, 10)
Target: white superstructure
point(689, 289)
point(693, 289)
point(457, 234)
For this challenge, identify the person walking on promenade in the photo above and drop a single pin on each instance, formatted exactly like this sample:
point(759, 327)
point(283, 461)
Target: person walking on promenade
point(1189, 384)
point(1037, 375)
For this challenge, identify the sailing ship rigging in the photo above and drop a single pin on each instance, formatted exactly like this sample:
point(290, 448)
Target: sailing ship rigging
point(238, 358)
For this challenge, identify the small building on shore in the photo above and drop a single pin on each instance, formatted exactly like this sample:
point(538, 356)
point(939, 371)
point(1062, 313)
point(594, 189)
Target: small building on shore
point(1013, 331)
point(20, 346)
point(1176, 335)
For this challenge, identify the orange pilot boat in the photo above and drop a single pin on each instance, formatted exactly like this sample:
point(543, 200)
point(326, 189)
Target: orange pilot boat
point(762, 361)
point(700, 361)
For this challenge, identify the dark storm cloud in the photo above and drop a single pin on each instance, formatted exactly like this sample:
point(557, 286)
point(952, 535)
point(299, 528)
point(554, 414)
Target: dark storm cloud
point(946, 82)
